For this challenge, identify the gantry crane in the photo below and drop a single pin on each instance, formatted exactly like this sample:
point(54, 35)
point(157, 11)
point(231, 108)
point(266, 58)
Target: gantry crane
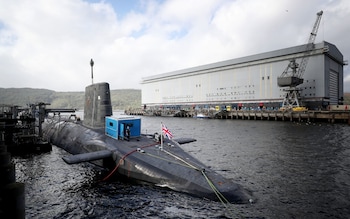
point(292, 76)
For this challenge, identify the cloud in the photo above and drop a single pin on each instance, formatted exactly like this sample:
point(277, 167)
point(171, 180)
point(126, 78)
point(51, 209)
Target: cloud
point(49, 44)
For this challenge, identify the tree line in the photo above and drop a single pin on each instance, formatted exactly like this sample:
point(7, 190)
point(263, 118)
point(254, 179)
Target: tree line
point(122, 99)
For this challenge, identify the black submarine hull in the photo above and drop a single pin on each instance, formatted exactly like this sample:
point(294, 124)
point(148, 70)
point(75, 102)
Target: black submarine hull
point(100, 139)
point(143, 160)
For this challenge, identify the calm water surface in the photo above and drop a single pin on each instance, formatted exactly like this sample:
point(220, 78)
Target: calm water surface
point(295, 170)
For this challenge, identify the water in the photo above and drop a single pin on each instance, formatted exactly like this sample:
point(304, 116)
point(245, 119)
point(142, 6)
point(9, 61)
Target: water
point(294, 171)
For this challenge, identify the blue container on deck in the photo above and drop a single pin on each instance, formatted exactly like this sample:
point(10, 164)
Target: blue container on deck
point(123, 127)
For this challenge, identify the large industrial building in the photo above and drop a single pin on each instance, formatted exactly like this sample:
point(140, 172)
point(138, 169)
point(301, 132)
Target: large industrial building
point(249, 82)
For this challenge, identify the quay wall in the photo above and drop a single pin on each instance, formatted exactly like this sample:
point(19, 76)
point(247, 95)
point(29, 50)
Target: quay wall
point(330, 116)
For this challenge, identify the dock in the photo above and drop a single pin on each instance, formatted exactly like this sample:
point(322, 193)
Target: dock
point(307, 116)
point(20, 135)
point(21, 129)
point(329, 116)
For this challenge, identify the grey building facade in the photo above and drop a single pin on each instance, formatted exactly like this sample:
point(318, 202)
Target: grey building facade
point(249, 81)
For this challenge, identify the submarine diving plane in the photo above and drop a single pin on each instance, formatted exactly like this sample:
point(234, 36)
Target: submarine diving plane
point(116, 143)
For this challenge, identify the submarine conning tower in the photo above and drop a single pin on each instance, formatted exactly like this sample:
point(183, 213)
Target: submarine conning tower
point(97, 105)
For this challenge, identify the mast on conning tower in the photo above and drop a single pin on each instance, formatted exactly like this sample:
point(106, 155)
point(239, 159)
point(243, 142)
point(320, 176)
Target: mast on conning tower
point(92, 71)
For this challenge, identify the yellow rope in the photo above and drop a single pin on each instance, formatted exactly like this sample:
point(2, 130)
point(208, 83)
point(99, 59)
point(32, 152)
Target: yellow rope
point(161, 158)
point(218, 194)
point(179, 158)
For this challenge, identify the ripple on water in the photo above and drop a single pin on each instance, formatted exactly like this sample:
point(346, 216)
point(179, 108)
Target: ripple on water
point(293, 170)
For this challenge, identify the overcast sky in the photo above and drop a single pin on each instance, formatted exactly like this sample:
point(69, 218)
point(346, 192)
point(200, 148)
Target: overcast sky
point(49, 43)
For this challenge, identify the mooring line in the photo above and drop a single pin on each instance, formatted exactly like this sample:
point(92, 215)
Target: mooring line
point(179, 158)
point(218, 194)
point(168, 160)
point(123, 158)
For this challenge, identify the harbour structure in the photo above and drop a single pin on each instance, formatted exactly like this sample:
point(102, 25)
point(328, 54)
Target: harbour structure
point(21, 129)
point(249, 82)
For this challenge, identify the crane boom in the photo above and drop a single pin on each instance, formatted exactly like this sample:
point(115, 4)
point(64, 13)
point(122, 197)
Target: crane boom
point(292, 76)
point(309, 46)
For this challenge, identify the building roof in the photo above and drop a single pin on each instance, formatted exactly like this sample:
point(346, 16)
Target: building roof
point(333, 52)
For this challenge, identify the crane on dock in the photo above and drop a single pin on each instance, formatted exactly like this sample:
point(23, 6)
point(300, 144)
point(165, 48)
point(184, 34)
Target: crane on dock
point(292, 76)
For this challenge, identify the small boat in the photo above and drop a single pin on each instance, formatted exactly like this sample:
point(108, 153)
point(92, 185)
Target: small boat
point(116, 143)
point(201, 116)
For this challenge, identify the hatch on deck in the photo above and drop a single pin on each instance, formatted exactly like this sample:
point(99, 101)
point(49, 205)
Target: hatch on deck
point(125, 127)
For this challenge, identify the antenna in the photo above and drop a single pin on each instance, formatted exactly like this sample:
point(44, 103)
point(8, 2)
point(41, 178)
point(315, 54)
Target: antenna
point(92, 70)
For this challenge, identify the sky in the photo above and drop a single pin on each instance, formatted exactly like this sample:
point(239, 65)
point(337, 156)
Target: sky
point(49, 44)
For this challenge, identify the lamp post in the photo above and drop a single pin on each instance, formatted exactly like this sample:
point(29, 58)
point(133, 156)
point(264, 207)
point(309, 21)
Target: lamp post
point(92, 70)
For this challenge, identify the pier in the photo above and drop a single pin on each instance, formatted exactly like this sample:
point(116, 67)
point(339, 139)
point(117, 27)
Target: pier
point(20, 134)
point(329, 116)
point(307, 116)
point(21, 128)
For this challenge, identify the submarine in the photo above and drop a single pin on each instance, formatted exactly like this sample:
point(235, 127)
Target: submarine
point(117, 144)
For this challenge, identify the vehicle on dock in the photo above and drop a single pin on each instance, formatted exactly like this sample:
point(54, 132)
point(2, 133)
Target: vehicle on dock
point(293, 109)
point(299, 109)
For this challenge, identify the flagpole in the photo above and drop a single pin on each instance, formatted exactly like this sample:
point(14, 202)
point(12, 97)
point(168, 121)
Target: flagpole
point(161, 135)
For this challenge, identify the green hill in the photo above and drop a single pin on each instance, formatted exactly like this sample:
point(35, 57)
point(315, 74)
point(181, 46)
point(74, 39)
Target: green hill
point(121, 99)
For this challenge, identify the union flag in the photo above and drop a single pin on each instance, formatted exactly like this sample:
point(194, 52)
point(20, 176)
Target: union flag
point(166, 132)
